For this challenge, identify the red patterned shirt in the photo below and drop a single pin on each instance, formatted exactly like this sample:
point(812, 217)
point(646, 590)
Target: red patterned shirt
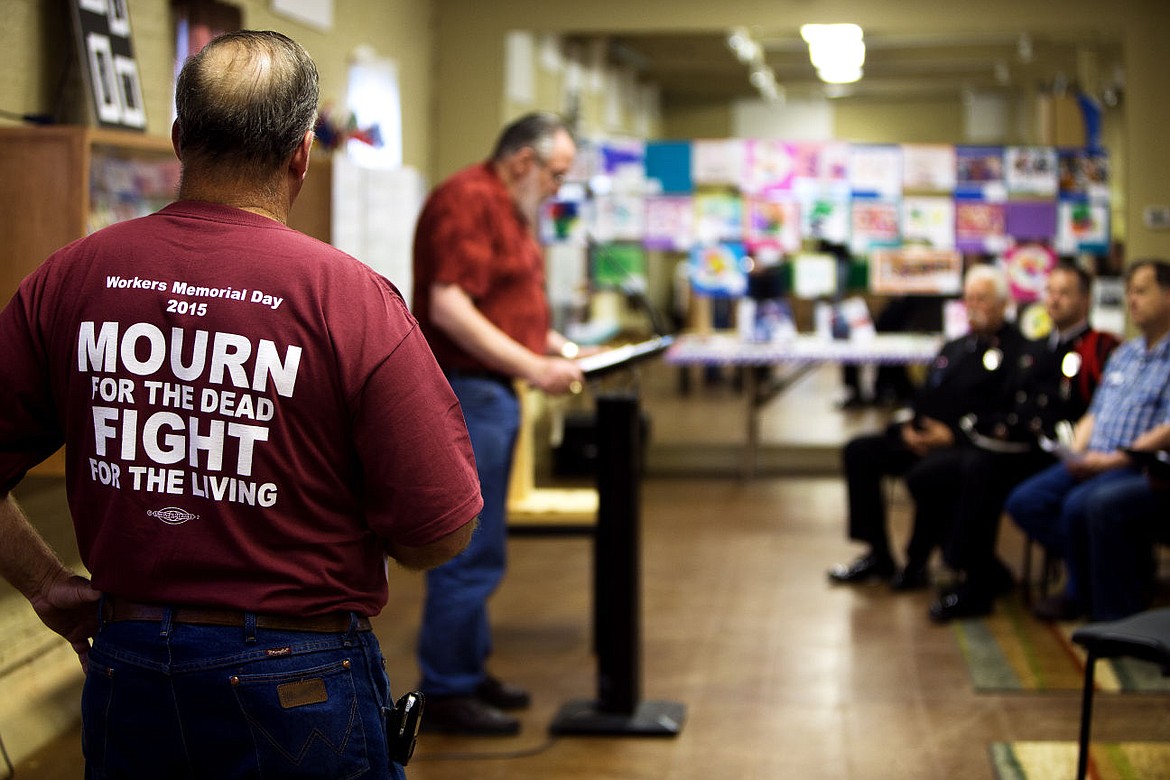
point(470, 234)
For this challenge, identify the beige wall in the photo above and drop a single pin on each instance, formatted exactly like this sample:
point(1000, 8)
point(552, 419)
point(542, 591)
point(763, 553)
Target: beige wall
point(36, 41)
point(698, 120)
point(469, 34)
point(904, 121)
point(605, 101)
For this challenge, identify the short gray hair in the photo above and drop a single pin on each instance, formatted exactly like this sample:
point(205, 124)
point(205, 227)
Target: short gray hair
point(991, 273)
point(246, 100)
point(536, 131)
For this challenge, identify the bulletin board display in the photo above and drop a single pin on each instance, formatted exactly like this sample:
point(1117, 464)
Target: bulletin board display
point(910, 210)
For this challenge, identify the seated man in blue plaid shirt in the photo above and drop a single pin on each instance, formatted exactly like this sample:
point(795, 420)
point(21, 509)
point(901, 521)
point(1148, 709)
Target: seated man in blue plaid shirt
point(1096, 509)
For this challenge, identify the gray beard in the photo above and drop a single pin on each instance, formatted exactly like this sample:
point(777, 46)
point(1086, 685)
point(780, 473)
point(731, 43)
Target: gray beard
point(528, 198)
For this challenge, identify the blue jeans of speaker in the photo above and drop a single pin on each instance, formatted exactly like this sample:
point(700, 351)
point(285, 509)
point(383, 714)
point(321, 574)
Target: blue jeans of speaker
point(455, 636)
point(171, 700)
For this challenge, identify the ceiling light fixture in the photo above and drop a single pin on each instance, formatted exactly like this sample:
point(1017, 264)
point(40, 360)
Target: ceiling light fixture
point(837, 51)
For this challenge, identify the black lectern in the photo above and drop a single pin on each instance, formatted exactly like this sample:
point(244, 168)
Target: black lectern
point(618, 709)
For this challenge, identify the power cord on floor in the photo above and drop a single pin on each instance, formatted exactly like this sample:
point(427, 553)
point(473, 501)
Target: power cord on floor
point(486, 755)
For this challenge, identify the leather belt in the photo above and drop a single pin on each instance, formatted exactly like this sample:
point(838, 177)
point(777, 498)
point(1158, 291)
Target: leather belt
point(489, 376)
point(115, 610)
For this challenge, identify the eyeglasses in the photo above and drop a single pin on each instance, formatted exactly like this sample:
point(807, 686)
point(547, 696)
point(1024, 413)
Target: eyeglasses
point(558, 177)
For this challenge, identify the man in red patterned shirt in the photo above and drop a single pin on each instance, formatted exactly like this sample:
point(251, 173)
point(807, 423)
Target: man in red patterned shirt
point(479, 296)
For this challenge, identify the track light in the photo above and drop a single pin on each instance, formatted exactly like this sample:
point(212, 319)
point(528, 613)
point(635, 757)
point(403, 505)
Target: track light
point(749, 51)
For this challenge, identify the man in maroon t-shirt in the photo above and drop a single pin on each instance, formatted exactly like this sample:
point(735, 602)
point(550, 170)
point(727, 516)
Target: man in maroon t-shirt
point(253, 421)
point(479, 296)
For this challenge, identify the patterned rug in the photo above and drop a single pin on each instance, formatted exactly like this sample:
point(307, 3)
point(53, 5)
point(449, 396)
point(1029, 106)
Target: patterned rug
point(1010, 650)
point(1058, 760)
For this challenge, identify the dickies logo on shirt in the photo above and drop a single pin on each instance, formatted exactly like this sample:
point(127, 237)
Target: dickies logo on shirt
point(172, 515)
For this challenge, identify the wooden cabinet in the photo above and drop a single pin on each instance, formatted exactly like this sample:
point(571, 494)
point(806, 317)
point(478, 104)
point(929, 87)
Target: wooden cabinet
point(58, 184)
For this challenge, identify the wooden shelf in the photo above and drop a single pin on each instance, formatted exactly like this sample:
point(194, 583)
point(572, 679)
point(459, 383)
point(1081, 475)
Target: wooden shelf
point(45, 192)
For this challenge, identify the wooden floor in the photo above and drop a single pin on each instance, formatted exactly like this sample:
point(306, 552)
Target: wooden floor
point(781, 674)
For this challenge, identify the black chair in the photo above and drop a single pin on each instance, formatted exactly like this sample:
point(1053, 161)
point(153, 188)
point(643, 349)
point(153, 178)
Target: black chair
point(1145, 636)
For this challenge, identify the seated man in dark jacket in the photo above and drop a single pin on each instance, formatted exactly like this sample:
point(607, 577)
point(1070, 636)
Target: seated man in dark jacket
point(1052, 389)
point(970, 375)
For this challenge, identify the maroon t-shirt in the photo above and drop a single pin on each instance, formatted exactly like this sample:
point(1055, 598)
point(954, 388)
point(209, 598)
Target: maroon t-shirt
point(250, 414)
point(470, 234)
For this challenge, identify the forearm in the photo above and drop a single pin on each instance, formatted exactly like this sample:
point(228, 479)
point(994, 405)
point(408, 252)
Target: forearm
point(1154, 439)
point(1082, 432)
point(62, 600)
point(25, 560)
point(456, 315)
point(431, 555)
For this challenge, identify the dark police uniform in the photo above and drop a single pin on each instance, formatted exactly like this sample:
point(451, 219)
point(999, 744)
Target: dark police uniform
point(1050, 388)
point(970, 375)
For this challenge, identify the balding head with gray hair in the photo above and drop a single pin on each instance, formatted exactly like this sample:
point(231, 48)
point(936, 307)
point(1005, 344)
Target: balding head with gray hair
point(536, 131)
point(245, 102)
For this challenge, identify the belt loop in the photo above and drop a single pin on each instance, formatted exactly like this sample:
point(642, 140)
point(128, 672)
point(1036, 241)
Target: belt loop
point(104, 603)
point(167, 622)
point(351, 634)
point(249, 627)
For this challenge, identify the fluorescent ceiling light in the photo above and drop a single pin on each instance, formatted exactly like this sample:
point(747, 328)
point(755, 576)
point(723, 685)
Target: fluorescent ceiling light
point(837, 51)
point(839, 74)
point(813, 33)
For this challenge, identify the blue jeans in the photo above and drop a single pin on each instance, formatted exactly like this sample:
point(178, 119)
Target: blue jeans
point(1121, 521)
point(1052, 507)
point(455, 636)
point(165, 700)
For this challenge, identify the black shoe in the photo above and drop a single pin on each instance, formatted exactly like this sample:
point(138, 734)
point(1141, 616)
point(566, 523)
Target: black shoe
point(1002, 580)
point(1058, 607)
point(960, 604)
point(501, 695)
point(468, 716)
point(852, 402)
point(865, 568)
point(911, 577)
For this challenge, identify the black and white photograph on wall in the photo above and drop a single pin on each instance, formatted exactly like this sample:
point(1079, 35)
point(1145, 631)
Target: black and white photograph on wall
point(119, 18)
point(109, 67)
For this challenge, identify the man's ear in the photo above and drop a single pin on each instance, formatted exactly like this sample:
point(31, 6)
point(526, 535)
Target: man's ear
point(522, 162)
point(299, 164)
point(175, 138)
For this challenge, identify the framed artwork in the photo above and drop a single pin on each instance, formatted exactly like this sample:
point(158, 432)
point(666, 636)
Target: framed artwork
point(718, 270)
point(109, 68)
point(1027, 266)
point(916, 270)
point(670, 222)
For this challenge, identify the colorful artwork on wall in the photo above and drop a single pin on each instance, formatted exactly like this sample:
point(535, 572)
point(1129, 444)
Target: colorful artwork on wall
point(723, 199)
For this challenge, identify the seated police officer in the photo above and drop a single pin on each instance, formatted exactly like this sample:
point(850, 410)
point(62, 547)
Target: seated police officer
point(969, 375)
point(1053, 385)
